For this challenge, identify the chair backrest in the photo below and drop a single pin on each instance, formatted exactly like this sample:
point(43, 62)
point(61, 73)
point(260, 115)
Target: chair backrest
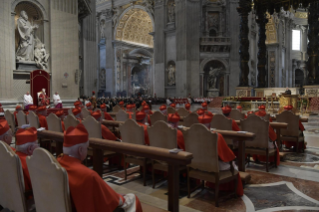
point(182, 112)
point(161, 135)
point(50, 182)
point(116, 108)
point(131, 132)
point(70, 111)
point(10, 119)
point(54, 123)
point(85, 113)
point(191, 119)
point(157, 116)
point(292, 121)
point(93, 127)
point(266, 117)
point(236, 115)
point(121, 115)
point(221, 122)
point(203, 144)
point(70, 121)
point(170, 110)
point(33, 120)
point(21, 118)
point(260, 127)
point(11, 180)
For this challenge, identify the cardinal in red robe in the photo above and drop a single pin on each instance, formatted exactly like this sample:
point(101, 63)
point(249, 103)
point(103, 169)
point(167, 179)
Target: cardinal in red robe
point(188, 107)
point(26, 143)
point(240, 109)
point(107, 116)
point(148, 112)
point(88, 190)
point(60, 114)
point(173, 120)
point(32, 108)
point(106, 133)
point(129, 110)
point(226, 111)
point(204, 107)
point(140, 119)
point(44, 99)
point(5, 133)
point(163, 109)
point(89, 107)
point(42, 113)
point(77, 113)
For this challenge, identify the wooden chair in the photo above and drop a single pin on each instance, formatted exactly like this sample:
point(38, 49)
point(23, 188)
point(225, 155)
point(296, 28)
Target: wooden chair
point(11, 121)
point(236, 115)
point(221, 122)
point(54, 123)
point(191, 119)
point(258, 146)
point(12, 190)
point(69, 121)
point(70, 111)
point(163, 136)
point(85, 113)
point(121, 115)
point(157, 116)
point(133, 133)
point(292, 133)
point(21, 118)
point(170, 110)
point(266, 117)
point(116, 108)
point(182, 112)
point(33, 120)
point(204, 165)
point(50, 182)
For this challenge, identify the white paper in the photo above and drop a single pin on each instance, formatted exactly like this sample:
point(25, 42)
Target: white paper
point(25, 126)
point(41, 129)
point(175, 151)
point(212, 129)
point(242, 132)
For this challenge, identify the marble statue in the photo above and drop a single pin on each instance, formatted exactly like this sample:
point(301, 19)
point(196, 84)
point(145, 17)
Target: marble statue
point(171, 74)
point(171, 12)
point(213, 75)
point(102, 28)
point(116, 14)
point(27, 43)
point(41, 57)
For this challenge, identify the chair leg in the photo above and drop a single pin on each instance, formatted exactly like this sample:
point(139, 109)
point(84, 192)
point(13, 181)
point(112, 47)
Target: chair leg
point(153, 177)
point(276, 159)
point(144, 173)
point(297, 147)
point(267, 161)
point(216, 194)
point(236, 184)
point(188, 184)
point(125, 171)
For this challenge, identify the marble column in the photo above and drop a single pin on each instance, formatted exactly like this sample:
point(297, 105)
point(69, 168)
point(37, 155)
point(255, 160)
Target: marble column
point(243, 10)
point(262, 49)
point(313, 45)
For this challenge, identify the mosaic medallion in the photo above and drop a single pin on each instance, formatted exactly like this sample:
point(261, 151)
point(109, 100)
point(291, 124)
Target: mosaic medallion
point(301, 157)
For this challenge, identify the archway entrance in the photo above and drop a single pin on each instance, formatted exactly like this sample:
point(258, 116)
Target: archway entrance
point(138, 84)
point(299, 78)
point(213, 83)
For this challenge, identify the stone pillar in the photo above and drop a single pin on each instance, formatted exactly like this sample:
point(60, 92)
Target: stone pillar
point(289, 27)
point(313, 45)
point(262, 52)
point(243, 10)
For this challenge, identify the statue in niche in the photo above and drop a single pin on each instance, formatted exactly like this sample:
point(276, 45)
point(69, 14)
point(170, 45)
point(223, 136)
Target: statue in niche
point(41, 57)
point(102, 28)
point(213, 76)
point(171, 12)
point(171, 74)
point(28, 40)
point(116, 14)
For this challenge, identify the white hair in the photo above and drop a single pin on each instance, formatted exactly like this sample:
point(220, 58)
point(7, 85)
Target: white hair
point(73, 150)
point(24, 147)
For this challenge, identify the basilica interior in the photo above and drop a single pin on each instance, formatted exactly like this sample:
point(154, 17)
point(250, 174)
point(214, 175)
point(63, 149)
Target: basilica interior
point(159, 105)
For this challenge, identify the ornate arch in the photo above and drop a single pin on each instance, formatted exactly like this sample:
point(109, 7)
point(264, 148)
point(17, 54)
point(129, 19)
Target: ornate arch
point(36, 3)
point(141, 51)
point(207, 60)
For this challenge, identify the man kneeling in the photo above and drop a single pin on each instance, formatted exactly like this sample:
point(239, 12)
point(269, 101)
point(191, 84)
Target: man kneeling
point(88, 190)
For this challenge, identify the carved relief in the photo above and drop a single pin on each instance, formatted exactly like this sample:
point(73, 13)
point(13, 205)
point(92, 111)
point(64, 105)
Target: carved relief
point(171, 11)
point(271, 29)
point(213, 20)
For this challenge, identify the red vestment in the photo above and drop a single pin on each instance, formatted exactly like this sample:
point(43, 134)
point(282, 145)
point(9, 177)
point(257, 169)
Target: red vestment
point(107, 134)
point(43, 121)
point(180, 140)
point(149, 120)
point(63, 127)
point(1, 110)
point(26, 175)
point(88, 190)
point(44, 99)
point(234, 126)
point(146, 138)
point(129, 114)
point(13, 149)
point(107, 116)
point(225, 154)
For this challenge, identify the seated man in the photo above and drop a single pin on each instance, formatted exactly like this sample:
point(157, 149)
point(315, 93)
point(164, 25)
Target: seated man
point(226, 155)
point(57, 100)
point(78, 104)
point(32, 108)
point(204, 107)
point(173, 120)
point(42, 113)
point(77, 113)
point(129, 110)
point(107, 116)
point(173, 105)
point(188, 107)
point(106, 133)
point(60, 114)
point(88, 190)
point(26, 143)
point(148, 112)
point(121, 104)
point(226, 111)
point(163, 109)
point(27, 100)
point(262, 112)
point(18, 108)
point(5, 133)
point(140, 119)
point(44, 99)
point(89, 107)
point(240, 109)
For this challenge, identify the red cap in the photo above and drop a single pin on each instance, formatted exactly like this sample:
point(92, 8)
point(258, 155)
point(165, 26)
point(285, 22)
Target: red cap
point(96, 114)
point(59, 113)
point(102, 106)
point(262, 107)
point(204, 104)
point(33, 107)
point(88, 104)
point(4, 127)
point(42, 108)
point(173, 105)
point(205, 119)
point(24, 136)
point(226, 110)
point(77, 103)
point(250, 112)
point(140, 116)
point(146, 107)
point(162, 107)
point(129, 106)
point(76, 111)
point(239, 107)
point(188, 106)
point(18, 107)
point(288, 107)
point(144, 103)
point(200, 112)
point(121, 103)
point(173, 117)
point(75, 135)
point(261, 113)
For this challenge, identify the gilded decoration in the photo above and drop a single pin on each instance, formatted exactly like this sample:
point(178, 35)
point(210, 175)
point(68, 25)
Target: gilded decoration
point(271, 31)
point(134, 27)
